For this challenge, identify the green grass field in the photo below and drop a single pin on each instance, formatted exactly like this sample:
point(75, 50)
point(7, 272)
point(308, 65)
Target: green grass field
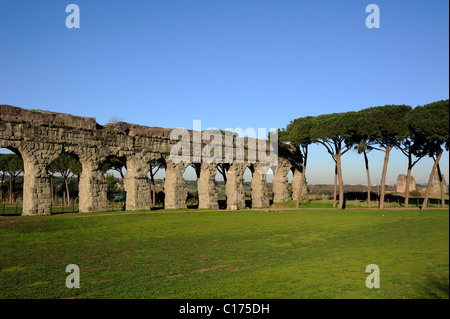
point(310, 253)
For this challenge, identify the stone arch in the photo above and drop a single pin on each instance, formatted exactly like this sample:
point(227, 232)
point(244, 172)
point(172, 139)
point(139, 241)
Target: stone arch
point(41, 136)
point(65, 183)
point(156, 173)
point(191, 176)
point(270, 176)
point(220, 181)
point(36, 187)
point(12, 180)
point(113, 169)
point(92, 187)
point(247, 176)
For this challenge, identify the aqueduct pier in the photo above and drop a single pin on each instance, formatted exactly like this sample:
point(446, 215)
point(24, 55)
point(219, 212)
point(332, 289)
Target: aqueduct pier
point(39, 137)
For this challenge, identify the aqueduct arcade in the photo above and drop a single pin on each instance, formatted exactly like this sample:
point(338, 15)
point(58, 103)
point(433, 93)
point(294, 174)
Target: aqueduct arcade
point(39, 137)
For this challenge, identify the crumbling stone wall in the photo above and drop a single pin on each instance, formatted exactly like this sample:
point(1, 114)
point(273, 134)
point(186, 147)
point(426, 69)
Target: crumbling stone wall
point(401, 184)
point(439, 186)
point(41, 136)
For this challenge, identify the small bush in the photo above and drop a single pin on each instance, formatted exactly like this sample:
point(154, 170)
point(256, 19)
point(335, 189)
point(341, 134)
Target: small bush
point(324, 192)
point(192, 198)
point(415, 193)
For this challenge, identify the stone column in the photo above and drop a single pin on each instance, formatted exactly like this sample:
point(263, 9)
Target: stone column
point(296, 184)
point(280, 182)
point(175, 189)
point(37, 197)
point(207, 191)
point(260, 194)
point(235, 186)
point(137, 185)
point(92, 189)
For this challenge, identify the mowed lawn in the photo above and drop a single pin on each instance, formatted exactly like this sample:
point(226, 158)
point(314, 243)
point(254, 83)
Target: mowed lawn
point(310, 253)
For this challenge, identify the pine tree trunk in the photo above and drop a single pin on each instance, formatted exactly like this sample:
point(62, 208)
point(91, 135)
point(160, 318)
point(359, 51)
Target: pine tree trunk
point(442, 187)
point(224, 174)
point(341, 181)
point(154, 194)
point(299, 195)
point(10, 189)
point(430, 181)
point(14, 187)
point(408, 181)
point(67, 191)
point(383, 176)
point(366, 160)
point(1, 187)
point(335, 185)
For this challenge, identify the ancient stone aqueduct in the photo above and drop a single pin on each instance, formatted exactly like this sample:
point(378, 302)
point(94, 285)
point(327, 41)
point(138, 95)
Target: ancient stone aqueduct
point(39, 137)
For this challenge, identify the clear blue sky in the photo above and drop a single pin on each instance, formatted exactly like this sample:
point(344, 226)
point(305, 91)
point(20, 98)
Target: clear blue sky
point(247, 63)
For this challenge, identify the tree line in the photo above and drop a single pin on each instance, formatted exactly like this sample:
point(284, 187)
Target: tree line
point(417, 132)
point(11, 166)
point(65, 169)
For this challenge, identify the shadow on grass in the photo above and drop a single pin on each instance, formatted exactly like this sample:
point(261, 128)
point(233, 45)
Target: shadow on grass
point(393, 198)
point(434, 287)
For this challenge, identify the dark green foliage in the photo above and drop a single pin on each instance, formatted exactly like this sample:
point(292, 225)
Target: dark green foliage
point(431, 127)
point(384, 125)
point(335, 128)
point(431, 124)
point(298, 132)
point(415, 193)
point(336, 132)
point(111, 186)
point(11, 165)
point(66, 165)
point(115, 164)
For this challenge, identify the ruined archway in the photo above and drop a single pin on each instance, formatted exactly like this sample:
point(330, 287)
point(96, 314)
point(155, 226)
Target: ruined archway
point(11, 181)
point(220, 181)
point(114, 171)
point(64, 174)
point(36, 186)
point(290, 177)
point(157, 175)
point(41, 136)
point(191, 176)
point(247, 183)
point(269, 184)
